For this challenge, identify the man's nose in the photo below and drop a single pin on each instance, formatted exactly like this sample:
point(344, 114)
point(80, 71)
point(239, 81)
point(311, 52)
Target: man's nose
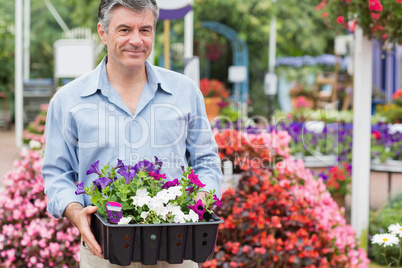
point(135, 38)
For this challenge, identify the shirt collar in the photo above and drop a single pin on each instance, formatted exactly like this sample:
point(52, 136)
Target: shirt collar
point(99, 80)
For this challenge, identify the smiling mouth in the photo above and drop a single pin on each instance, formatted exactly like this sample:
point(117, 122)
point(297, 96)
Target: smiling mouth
point(133, 51)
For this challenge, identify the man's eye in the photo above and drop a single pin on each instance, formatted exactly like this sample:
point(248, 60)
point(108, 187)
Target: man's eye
point(124, 30)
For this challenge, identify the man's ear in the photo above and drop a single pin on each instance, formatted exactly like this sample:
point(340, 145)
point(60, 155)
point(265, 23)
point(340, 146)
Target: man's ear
point(102, 34)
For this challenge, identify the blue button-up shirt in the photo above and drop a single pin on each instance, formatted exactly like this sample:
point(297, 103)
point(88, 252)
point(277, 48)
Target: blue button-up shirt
point(88, 121)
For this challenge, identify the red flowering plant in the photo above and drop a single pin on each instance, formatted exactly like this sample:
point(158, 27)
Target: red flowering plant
point(337, 178)
point(397, 96)
point(249, 150)
point(283, 217)
point(213, 88)
point(379, 19)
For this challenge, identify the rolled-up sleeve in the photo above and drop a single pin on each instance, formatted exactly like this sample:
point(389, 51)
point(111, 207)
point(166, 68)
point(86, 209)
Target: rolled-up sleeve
point(203, 149)
point(59, 163)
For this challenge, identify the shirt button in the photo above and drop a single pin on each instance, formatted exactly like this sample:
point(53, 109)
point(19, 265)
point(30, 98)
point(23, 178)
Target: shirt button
point(134, 123)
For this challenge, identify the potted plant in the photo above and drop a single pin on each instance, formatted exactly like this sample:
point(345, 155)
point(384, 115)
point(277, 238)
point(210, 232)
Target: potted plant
point(214, 92)
point(142, 217)
point(338, 180)
point(303, 96)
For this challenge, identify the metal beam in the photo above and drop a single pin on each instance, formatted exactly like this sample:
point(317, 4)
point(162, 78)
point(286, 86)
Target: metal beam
point(362, 89)
point(18, 60)
point(56, 15)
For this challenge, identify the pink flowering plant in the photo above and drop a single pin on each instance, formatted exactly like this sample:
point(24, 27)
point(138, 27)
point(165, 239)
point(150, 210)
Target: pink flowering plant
point(145, 194)
point(29, 235)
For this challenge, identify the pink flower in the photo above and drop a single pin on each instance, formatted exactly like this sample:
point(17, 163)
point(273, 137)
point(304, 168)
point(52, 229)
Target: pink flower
point(199, 209)
point(340, 19)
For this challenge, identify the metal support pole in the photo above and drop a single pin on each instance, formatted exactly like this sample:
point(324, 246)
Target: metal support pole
point(27, 39)
point(272, 44)
point(18, 60)
point(188, 34)
point(361, 136)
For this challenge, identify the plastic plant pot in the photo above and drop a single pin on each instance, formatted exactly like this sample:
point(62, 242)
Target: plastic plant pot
point(150, 243)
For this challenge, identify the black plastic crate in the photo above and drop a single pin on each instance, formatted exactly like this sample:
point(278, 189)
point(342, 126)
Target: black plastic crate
point(149, 243)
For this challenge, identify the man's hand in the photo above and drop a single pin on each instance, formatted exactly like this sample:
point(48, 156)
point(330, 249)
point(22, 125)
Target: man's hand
point(201, 195)
point(81, 217)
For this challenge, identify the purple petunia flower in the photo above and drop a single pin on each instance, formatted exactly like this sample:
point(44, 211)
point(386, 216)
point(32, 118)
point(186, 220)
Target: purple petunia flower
point(80, 189)
point(172, 183)
point(119, 164)
point(194, 179)
point(323, 176)
point(158, 163)
point(102, 182)
point(144, 166)
point(127, 172)
point(94, 168)
point(217, 202)
point(198, 208)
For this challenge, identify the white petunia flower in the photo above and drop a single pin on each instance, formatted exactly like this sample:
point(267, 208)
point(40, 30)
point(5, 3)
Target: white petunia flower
point(175, 190)
point(141, 198)
point(144, 214)
point(124, 220)
point(174, 209)
point(395, 229)
point(142, 193)
point(179, 218)
point(192, 216)
point(164, 196)
point(158, 207)
point(385, 239)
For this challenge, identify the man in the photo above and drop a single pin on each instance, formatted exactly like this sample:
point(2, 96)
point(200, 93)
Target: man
point(124, 109)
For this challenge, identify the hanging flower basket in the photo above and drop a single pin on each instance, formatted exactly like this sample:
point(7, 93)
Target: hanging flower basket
point(149, 243)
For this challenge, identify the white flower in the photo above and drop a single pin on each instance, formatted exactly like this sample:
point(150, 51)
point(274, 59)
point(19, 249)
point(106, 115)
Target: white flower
point(179, 219)
point(33, 144)
point(385, 239)
point(124, 220)
point(395, 229)
point(175, 190)
point(192, 216)
point(158, 207)
point(174, 209)
point(144, 214)
point(141, 198)
point(164, 196)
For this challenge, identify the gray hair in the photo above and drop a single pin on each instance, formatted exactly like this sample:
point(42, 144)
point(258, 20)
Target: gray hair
point(106, 7)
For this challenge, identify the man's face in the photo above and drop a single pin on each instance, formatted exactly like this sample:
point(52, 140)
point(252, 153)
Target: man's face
point(130, 37)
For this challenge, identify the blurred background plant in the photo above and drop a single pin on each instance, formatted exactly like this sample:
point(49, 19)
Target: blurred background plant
point(213, 88)
point(377, 20)
point(397, 97)
point(337, 179)
point(379, 221)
